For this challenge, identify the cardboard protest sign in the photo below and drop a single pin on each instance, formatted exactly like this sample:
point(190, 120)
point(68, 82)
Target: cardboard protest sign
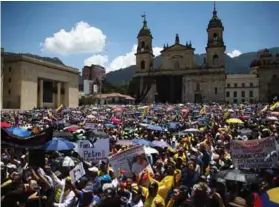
point(77, 172)
point(132, 161)
point(93, 151)
point(260, 153)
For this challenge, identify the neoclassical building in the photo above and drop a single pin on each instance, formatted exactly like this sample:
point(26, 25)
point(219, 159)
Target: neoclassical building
point(179, 79)
point(29, 82)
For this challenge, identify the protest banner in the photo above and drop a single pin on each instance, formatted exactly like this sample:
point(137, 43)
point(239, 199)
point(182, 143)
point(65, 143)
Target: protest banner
point(132, 161)
point(260, 153)
point(77, 173)
point(91, 150)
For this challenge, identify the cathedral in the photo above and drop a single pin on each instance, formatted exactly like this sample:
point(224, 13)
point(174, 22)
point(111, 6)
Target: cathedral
point(179, 79)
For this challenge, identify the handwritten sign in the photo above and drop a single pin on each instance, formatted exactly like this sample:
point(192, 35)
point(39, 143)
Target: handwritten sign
point(260, 153)
point(93, 151)
point(77, 173)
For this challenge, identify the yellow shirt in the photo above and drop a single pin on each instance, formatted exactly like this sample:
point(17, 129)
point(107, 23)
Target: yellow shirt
point(151, 201)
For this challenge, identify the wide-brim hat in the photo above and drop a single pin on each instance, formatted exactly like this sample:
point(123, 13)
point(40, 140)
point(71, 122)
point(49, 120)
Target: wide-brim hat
point(238, 202)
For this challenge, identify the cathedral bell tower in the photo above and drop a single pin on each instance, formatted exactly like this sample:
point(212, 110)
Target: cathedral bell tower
point(144, 55)
point(215, 50)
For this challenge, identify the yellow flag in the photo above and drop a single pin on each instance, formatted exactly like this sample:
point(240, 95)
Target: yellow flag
point(274, 106)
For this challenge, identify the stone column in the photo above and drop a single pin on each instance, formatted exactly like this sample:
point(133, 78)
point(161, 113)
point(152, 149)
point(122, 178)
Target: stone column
point(41, 82)
point(171, 100)
point(58, 94)
point(2, 76)
point(66, 95)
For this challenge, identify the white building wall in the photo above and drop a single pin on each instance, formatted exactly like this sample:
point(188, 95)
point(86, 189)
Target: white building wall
point(242, 88)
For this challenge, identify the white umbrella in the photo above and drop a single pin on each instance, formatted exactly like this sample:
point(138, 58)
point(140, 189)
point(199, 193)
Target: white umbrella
point(191, 130)
point(150, 150)
point(90, 116)
point(271, 118)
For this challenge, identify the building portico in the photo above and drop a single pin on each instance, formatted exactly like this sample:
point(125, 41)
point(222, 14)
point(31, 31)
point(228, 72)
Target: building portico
point(29, 82)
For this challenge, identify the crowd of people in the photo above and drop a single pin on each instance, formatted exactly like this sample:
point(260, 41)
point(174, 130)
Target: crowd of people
point(194, 166)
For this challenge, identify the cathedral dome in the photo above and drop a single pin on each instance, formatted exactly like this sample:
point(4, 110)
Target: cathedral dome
point(145, 31)
point(215, 21)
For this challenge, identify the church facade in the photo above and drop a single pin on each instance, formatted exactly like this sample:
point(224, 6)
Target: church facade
point(179, 79)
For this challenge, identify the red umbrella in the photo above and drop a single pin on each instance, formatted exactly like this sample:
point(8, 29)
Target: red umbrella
point(71, 129)
point(5, 125)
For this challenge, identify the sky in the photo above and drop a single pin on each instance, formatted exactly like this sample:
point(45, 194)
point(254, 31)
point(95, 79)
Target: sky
point(104, 33)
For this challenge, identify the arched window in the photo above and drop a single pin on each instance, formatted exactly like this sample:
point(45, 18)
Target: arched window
point(215, 37)
point(142, 45)
point(176, 65)
point(198, 87)
point(215, 60)
point(142, 64)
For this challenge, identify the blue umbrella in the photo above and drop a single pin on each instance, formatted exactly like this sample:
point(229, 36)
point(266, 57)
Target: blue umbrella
point(173, 125)
point(155, 128)
point(19, 132)
point(142, 142)
point(109, 125)
point(57, 144)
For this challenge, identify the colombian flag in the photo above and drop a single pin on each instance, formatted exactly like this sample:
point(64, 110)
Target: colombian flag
point(51, 116)
point(264, 109)
point(274, 106)
point(268, 199)
point(203, 110)
point(59, 108)
point(146, 110)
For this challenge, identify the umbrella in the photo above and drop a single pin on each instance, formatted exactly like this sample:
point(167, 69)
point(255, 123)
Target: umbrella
point(161, 144)
point(142, 142)
point(269, 198)
point(20, 132)
point(124, 142)
point(58, 144)
point(109, 125)
point(90, 116)
point(245, 131)
point(234, 121)
point(63, 134)
point(155, 128)
point(191, 130)
point(5, 125)
point(271, 118)
point(173, 125)
point(245, 117)
point(238, 176)
point(150, 150)
point(72, 129)
point(115, 121)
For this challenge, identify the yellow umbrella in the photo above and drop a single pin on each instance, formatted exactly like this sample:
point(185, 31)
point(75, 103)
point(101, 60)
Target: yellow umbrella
point(234, 121)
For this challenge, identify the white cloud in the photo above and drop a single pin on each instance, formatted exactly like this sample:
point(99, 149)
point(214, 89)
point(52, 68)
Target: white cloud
point(119, 62)
point(82, 38)
point(96, 60)
point(234, 53)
